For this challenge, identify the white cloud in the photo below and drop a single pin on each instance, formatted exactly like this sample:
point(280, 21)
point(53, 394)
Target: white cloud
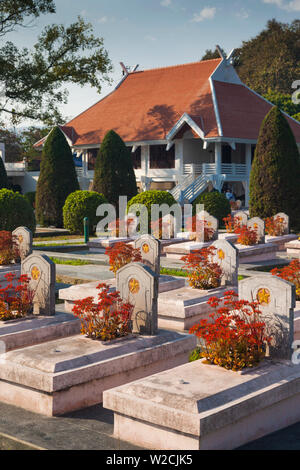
point(293, 5)
point(103, 19)
point(166, 3)
point(243, 13)
point(208, 13)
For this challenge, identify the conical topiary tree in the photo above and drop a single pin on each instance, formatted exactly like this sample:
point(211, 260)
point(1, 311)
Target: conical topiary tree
point(114, 174)
point(57, 179)
point(3, 175)
point(275, 173)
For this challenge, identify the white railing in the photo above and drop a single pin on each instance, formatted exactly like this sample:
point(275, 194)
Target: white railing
point(79, 171)
point(15, 167)
point(234, 169)
point(195, 188)
point(195, 168)
point(185, 183)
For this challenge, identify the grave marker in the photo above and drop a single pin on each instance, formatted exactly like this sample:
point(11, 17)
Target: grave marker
point(41, 271)
point(227, 256)
point(24, 239)
point(150, 249)
point(258, 225)
point(138, 284)
point(277, 300)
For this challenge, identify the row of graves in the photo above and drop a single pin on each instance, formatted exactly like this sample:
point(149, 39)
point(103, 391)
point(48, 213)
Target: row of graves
point(127, 345)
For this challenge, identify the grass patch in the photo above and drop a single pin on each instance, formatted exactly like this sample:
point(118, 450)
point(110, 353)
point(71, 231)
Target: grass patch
point(47, 245)
point(70, 262)
point(174, 272)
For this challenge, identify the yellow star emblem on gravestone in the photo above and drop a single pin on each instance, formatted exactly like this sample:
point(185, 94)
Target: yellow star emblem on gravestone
point(146, 248)
point(134, 286)
point(263, 296)
point(35, 273)
point(221, 254)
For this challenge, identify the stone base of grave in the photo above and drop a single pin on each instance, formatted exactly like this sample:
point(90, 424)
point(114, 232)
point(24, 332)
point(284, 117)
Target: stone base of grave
point(106, 242)
point(71, 373)
point(260, 252)
point(178, 250)
point(230, 237)
point(81, 291)
point(186, 306)
point(281, 241)
point(37, 329)
point(12, 268)
point(293, 248)
point(204, 407)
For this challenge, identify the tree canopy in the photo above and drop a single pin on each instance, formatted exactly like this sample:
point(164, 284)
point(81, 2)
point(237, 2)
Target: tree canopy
point(31, 81)
point(270, 60)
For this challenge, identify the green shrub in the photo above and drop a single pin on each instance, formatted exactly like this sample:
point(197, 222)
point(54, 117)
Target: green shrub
point(275, 172)
point(114, 174)
point(15, 211)
point(215, 204)
point(57, 179)
point(30, 197)
point(152, 197)
point(3, 175)
point(82, 204)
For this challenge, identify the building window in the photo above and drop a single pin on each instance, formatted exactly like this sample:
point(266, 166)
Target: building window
point(161, 158)
point(226, 154)
point(92, 155)
point(136, 157)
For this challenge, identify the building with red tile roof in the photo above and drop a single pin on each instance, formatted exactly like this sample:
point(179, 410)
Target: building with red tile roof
point(187, 125)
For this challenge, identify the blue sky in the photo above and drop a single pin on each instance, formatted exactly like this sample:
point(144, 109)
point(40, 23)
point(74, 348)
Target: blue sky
point(155, 33)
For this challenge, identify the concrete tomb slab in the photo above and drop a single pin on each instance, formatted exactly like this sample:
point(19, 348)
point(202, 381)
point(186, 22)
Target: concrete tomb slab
point(253, 253)
point(68, 374)
point(293, 248)
point(199, 406)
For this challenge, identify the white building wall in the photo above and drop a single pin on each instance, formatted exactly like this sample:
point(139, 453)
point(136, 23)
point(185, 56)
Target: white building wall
point(29, 181)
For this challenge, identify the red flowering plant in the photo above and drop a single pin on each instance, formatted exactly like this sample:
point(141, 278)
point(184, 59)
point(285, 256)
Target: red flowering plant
point(109, 319)
point(160, 228)
point(121, 254)
point(9, 248)
point(232, 224)
point(195, 225)
point(275, 226)
point(233, 337)
point(120, 226)
point(290, 273)
point(204, 273)
point(16, 299)
point(247, 236)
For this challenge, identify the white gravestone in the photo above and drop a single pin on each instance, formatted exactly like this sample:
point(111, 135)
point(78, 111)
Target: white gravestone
point(227, 256)
point(138, 284)
point(150, 249)
point(258, 225)
point(285, 221)
point(41, 271)
point(23, 238)
point(277, 300)
point(208, 221)
point(241, 217)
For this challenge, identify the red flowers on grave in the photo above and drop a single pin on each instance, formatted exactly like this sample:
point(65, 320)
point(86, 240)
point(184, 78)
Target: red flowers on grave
point(109, 319)
point(204, 273)
point(290, 273)
point(232, 224)
point(247, 236)
point(196, 225)
point(16, 299)
point(275, 226)
point(121, 254)
point(9, 249)
point(233, 337)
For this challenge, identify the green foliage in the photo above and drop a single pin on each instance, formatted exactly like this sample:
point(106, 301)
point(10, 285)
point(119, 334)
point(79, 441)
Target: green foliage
point(79, 205)
point(15, 211)
point(114, 174)
point(57, 179)
point(275, 173)
point(215, 204)
point(152, 197)
point(283, 101)
point(195, 354)
point(271, 59)
point(210, 54)
point(13, 150)
point(3, 175)
point(30, 197)
point(63, 54)
point(296, 116)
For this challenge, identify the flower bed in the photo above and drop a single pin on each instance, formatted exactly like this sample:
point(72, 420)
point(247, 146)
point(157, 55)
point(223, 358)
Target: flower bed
point(16, 299)
point(290, 273)
point(232, 224)
point(275, 226)
point(195, 225)
point(121, 254)
point(203, 272)
point(108, 320)
point(9, 249)
point(233, 337)
point(246, 236)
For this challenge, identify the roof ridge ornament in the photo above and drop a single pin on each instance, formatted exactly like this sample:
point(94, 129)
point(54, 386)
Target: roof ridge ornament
point(126, 70)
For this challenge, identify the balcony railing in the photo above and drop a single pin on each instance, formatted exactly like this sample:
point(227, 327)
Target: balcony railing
point(16, 167)
point(228, 169)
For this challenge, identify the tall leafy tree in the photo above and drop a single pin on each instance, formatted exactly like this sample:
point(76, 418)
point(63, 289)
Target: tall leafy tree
point(270, 60)
point(284, 102)
point(3, 175)
point(57, 179)
point(275, 173)
point(31, 80)
point(210, 54)
point(114, 174)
